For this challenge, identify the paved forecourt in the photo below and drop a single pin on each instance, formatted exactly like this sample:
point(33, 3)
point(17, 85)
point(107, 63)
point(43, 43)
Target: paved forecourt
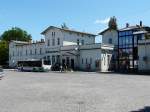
point(73, 92)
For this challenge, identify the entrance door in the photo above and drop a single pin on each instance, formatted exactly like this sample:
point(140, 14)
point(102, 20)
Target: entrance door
point(63, 62)
point(108, 62)
point(67, 62)
point(72, 63)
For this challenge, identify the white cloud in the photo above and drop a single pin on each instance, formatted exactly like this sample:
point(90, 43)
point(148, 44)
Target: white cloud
point(102, 21)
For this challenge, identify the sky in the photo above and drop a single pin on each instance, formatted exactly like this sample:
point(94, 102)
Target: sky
point(92, 16)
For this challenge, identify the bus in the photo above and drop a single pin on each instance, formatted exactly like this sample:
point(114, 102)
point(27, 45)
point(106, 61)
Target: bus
point(34, 66)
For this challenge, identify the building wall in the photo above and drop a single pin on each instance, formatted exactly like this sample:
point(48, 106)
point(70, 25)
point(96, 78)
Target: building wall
point(21, 52)
point(87, 55)
point(96, 57)
point(88, 61)
point(71, 38)
point(66, 39)
point(143, 50)
point(110, 35)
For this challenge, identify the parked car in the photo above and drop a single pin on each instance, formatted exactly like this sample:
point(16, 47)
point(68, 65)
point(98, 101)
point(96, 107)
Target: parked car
point(1, 73)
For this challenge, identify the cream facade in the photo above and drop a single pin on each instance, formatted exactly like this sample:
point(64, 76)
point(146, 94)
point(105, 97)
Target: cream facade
point(77, 50)
point(144, 55)
point(21, 51)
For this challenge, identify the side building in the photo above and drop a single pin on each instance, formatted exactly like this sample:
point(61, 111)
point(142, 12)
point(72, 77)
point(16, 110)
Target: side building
point(77, 50)
point(131, 47)
point(144, 54)
point(24, 51)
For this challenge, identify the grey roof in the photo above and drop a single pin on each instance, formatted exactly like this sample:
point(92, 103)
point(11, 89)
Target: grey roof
point(132, 28)
point(101, 33)
point(140, 32)
point(69, 30)
point(19, 42)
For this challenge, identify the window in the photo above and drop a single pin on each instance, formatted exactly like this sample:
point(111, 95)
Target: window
point(30, 52)
point(110, 41)
point(139, 37)
point(82, 42)
point(48, 43)
point(35, 51)
point(40, 50)
point(53, 59)
point(82, 61)
point(58, 41)
point(86, 61)
point(20, 53)
point(97, 63)
point(26, 52)
point(53, 41)
point(77, 41)
point(90, 60)
point(53, 34)
point(48, 58)
point(13, 53)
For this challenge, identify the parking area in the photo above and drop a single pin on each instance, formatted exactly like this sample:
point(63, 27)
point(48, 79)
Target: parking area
point(73, 92)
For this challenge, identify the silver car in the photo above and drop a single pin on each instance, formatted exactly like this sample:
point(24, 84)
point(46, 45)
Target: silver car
point(1, 73)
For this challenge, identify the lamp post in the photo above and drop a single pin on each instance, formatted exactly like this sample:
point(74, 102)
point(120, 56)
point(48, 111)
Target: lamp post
point(77, 50)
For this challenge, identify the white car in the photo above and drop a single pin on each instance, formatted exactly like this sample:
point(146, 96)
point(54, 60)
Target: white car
point(1, 73)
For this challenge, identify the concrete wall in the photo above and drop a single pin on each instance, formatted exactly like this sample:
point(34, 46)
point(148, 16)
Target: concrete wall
point(71, 38)
point(97, 56)
point(110, 34)
point(143, 50)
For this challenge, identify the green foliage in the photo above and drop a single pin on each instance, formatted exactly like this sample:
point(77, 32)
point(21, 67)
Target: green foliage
point(3, 52)
point(147, 36)
point(16, 34)
point(113, 23)
point(13, 34)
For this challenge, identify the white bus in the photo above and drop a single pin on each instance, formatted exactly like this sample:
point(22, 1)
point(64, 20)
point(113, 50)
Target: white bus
point(34, 66)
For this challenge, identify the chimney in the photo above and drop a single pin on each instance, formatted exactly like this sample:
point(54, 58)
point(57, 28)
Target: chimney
point(127, 25)
point(42, 40)
point(141, 23)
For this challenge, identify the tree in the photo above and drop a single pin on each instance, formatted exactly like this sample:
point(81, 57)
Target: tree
point(4, 52)
point(112, 24)
point(13, 34)
point(16, 34)
point(64, 26)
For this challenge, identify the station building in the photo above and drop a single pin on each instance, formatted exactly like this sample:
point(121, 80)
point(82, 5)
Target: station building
point(75, 49)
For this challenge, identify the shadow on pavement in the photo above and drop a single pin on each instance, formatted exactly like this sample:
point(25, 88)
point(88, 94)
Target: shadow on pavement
point(145, 109)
